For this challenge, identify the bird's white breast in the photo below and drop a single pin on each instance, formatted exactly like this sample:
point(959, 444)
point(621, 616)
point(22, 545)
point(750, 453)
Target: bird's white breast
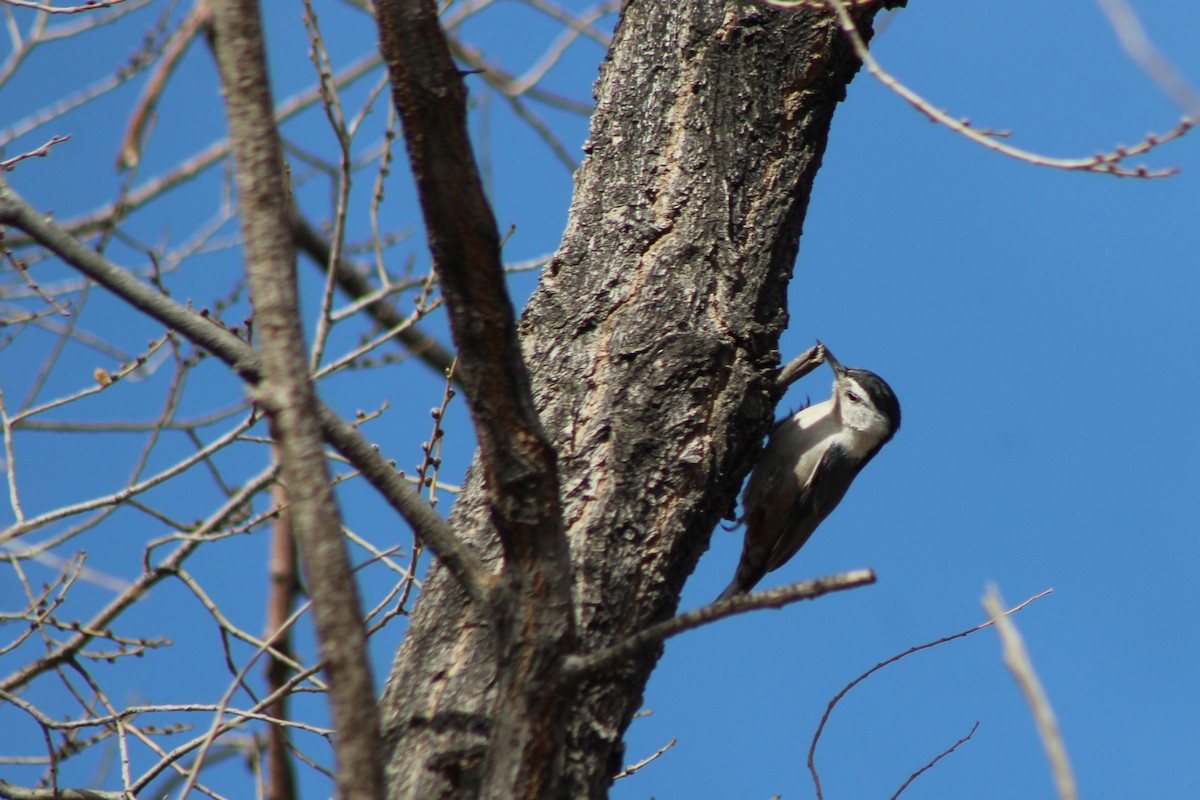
point(820, 426)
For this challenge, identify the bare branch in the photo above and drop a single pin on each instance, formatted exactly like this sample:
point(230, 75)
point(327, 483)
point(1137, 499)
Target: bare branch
point(135, 63)
point(812, 748)
point(287, 395)
point(13, 792)
point(91, 5)
point(282, 592)
point(1103, 163)
point(581, 24)
point(41, 152)
point(1016, 658)
point(198, 19)
point(332, 103)
point(136, 590)
point(936, 759)
point(579, 667)
point(244, 361)
point(144, 193)
point(519, 461)
point(554, 53)
point(632, 768)
point(799, 366)
point(133, 489)
point(533, 605)
point(10, 464)
point(354, 283)
point(1125, 23)
point(502, 82)
point(162, 708)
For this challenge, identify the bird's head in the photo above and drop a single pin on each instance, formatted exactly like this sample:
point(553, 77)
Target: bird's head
point(864, 401)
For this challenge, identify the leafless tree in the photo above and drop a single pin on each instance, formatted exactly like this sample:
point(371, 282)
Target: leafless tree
point(615, 417)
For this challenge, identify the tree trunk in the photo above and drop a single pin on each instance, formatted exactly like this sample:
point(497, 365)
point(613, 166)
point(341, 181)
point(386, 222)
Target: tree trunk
point(651, 342)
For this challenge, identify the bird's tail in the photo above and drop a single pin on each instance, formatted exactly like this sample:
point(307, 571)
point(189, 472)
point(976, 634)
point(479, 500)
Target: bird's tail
point(732, 589)
point(752, 566)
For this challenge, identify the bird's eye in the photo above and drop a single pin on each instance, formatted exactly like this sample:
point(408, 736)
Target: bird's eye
point(853, 398)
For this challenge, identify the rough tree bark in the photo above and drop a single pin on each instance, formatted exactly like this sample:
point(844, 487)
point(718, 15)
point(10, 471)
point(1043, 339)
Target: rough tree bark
point(651, 343)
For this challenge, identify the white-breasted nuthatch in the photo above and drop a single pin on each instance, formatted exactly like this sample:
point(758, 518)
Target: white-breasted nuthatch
point(808, 464)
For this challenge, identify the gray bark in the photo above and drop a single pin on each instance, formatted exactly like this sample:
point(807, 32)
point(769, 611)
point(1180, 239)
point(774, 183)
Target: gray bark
point(288, 398)
point(651, 345)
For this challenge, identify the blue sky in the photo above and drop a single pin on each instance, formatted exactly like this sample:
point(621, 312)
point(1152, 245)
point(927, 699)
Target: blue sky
point(1039, 329)
point(1038, 326)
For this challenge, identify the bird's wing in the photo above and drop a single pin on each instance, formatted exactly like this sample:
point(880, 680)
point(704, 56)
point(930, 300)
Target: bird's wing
point(825, 489)
point(776, 464)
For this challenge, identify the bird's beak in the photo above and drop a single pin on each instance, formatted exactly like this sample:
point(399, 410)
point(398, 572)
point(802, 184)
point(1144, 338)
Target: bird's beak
point(834, 364)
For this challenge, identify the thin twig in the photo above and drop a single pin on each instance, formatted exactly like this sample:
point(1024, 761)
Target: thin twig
point(236, 353)
point(632, 768)
point(41, 152)
point(812, 748)
point(137, 61)
point(199, 162)
point(332, 103)
point(1103, 163)
point(22, 269)
point(936, 759)
point(152, 575)
point(15, 792)
point(91, 5)
point(354, 283)
point(116, 498)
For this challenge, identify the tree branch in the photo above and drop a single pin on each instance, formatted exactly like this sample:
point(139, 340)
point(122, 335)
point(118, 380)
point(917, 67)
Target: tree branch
point(287, 395)
point(352, 281)
point(283, 590)
point(812, 748)
point(519, 461)
point(534, 613)
point(908, 782)
point(462, 562)
point(101, 620)
point(579, 667)
point(13, 792)
point(1104, 163)
point(798, 367)
point(1016, 658)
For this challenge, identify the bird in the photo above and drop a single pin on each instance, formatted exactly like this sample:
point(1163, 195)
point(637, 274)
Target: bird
point(810, 460)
